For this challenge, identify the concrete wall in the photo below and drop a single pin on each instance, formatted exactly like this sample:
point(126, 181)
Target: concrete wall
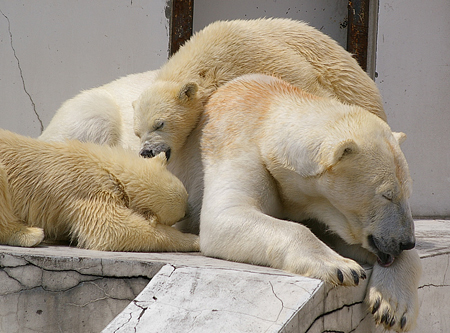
point(50, 50)
point(413, 66)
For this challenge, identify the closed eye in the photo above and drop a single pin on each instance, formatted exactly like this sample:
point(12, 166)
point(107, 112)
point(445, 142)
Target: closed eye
point(388, 196)
point(159, 124)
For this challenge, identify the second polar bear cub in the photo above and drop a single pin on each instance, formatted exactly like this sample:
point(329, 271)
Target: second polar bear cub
point(99, 197)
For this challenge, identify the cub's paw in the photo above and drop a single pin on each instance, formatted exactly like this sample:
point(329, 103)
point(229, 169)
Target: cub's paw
point(392, 293)
point(27, 237)
point(190, 243)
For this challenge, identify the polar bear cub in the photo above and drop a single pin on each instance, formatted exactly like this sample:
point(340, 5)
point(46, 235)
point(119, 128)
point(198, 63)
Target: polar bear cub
point(103, 115)
point(99, 197)
point(274, 155)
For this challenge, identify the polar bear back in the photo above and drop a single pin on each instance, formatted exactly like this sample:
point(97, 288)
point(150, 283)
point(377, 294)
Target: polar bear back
point(288, 49)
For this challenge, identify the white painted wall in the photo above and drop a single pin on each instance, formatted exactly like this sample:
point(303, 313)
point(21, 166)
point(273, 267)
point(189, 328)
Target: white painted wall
point(413, 66)
point(57, 48)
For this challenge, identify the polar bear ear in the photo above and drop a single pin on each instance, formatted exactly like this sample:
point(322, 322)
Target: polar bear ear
point(400, 137)
point(311, 164)
point(336, 152)
point(188, 91)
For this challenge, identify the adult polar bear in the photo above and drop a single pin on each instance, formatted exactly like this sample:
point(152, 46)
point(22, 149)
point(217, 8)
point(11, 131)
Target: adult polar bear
point(309, 158)
point(168, 114)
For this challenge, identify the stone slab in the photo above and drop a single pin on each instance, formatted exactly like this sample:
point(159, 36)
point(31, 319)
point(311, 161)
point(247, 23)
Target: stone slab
point(191, 293)
point(187, 299)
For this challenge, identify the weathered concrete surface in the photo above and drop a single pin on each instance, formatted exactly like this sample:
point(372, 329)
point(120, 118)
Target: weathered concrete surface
point(65, 294)
point(200, 299)
point(188, 299)
point(57, 288)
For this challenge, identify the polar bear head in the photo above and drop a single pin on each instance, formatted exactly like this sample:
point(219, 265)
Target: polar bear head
point(368, 181)
point(164, 115)
point(351, 171)
point(364, 176)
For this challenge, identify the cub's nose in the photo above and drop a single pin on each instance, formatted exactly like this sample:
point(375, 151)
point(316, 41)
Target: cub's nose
point(149, 151)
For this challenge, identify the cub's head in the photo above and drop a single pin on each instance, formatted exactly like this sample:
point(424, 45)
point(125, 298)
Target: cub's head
point(365, 177)
point(164, 115)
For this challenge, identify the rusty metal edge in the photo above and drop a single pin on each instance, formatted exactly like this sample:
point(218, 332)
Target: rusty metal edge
point(358, 30)
point(181, 24)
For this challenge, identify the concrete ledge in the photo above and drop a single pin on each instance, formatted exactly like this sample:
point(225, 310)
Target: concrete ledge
point(57, 288)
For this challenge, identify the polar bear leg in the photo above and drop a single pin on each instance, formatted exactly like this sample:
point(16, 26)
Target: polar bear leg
point(12, 231)
point(234, 227)
point(118, 228)
point(91, 116)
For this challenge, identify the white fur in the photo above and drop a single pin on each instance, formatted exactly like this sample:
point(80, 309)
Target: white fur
point(273, 156)
point(102, 115)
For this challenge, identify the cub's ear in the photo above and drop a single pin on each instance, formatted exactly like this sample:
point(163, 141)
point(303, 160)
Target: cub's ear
point(400, 137)
point(188, 91)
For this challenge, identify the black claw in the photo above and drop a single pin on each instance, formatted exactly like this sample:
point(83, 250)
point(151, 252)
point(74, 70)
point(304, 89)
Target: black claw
point(363, 275)
point(340, 276)
point(392, 323)
point(376, 306)
point(403, 322)
point(355, 277)
point(385, 318)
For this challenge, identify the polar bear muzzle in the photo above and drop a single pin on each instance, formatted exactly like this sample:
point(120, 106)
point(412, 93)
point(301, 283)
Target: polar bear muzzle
point(386, 259)
point(150, 150)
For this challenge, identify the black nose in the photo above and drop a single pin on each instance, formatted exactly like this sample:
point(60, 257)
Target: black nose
point(149, 152)
point(407, 245)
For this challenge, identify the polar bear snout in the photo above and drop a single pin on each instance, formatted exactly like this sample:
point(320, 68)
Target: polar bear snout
point(387, 249)
point(150, 150)
point(408, 245)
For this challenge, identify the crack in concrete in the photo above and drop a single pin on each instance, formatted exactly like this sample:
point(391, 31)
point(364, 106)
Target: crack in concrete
point(89, 278)
point(106, 295)
point(121, 326)
point(143, 309)
point(434, 285)
point(21, 73)
point(99, 275)
point(281, 301)
point(331, 312)
point(356, 327)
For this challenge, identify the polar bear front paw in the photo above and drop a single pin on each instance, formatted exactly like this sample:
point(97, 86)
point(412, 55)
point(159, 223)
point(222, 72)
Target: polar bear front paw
point(331, 268)
point(345, 273)
point(392, 294)
point(392, 312)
